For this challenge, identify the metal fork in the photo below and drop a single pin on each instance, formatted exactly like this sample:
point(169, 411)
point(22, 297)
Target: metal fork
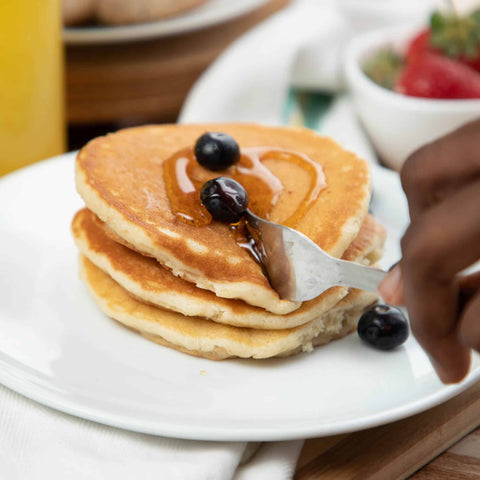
point(298, 269)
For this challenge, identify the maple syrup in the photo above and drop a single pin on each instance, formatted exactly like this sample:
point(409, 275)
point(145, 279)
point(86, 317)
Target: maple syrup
point(184, 178)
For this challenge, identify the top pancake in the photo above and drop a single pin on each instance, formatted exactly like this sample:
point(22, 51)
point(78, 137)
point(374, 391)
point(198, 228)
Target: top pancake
point(120, 177)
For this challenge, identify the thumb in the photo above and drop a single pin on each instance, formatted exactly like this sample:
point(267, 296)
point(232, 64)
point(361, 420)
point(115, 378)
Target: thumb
point(391, 288)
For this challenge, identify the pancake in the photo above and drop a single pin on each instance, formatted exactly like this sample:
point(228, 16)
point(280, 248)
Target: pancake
point(115, 12)
point(77, 11)
point(120, 178)
point(204, 338)
point(124, 12)
point(151, 283)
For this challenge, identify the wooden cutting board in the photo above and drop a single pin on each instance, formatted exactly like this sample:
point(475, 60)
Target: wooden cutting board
point(397, 450)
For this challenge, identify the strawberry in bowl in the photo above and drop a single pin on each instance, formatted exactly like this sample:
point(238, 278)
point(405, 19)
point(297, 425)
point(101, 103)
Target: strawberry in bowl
point(441, 61)
point(452, 36)
point(411, 85)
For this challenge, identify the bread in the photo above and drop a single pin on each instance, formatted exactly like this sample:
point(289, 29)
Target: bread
point(123, 12)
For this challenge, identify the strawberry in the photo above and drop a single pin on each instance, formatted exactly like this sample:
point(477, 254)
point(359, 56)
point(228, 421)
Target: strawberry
point(431, 75)
point(453, 36)
point(419, 44)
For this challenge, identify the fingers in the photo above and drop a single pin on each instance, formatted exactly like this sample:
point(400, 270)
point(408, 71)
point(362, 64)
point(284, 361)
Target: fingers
point(470, 324)
point(469, 286)
point(442, 183)
point(391, 288)
point(432, 310)
point(446, 239)
point(438, 245)
point(436, 170)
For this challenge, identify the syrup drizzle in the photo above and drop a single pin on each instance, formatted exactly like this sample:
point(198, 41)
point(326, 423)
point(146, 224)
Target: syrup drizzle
point(184, 178)
point(247, 239)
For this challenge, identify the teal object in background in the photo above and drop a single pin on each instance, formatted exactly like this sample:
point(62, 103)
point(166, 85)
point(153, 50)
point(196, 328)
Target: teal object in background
point(308, 109)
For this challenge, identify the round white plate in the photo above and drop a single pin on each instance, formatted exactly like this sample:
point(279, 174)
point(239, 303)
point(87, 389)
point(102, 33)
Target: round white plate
point(210, 13)
point(57, 348)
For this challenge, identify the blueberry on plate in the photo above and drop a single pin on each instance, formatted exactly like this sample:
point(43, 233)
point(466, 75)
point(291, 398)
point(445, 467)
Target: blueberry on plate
point(216, 151)
point(225, 199)
point(383, 327)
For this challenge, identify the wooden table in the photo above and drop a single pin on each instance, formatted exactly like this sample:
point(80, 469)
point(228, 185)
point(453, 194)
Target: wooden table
point(419, 447)
point(134, 82)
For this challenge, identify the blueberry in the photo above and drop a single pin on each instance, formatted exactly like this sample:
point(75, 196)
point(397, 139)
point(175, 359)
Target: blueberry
point(225, 199)
point(384, 327)
point(216, 151)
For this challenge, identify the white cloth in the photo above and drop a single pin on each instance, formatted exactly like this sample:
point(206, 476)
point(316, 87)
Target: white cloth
point(250, 80)
point(39, 443)
point(247, 83)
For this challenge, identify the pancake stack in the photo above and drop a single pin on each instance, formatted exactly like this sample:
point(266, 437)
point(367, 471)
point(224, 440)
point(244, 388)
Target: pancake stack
point(193, 288)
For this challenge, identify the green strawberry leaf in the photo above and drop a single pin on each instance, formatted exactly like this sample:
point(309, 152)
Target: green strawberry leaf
point(456, 36)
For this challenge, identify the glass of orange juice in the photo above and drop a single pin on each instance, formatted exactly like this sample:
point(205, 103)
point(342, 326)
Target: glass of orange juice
point(32, 125)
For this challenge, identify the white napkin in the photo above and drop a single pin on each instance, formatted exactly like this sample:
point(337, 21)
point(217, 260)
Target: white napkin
point(247, 83)
point(250, 80)
point(39, 443)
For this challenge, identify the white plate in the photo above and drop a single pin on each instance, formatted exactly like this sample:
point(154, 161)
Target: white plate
point(57, 348)
point(211, 13)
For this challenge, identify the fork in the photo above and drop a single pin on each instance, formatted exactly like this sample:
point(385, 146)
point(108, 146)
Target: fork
point(298, 269)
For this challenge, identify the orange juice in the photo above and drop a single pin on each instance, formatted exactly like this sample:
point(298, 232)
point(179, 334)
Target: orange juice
point(32, 123)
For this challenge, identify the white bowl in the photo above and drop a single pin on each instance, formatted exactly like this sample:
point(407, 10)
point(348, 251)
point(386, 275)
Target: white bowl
point(398, 124)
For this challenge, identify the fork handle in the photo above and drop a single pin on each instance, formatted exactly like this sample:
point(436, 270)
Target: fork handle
point(360, 276)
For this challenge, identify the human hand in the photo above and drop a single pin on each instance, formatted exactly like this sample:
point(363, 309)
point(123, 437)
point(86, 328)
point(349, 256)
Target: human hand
point(442, 184)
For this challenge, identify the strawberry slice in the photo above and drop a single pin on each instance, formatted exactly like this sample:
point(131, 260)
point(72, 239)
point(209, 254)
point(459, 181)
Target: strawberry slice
point(431, 75)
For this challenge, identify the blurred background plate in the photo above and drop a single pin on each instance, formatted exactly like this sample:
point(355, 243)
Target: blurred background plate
point(211, 13)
